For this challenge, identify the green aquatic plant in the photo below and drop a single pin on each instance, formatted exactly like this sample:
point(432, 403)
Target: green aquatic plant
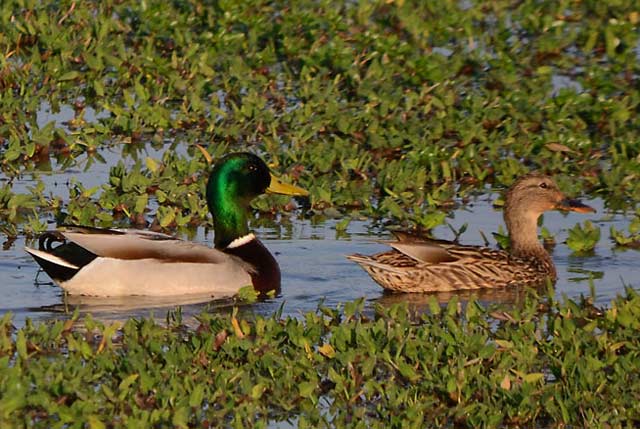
point(630, 239)
point(548, 239)
point(381, 110)
point(16, 207)
point(583, 237)
point(541, 362)
point(502, 238)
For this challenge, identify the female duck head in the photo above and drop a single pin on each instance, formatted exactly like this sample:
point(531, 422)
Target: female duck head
point(527, 199)
point(234, 181)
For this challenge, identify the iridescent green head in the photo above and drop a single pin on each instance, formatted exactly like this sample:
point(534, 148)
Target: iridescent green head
point(234, 181)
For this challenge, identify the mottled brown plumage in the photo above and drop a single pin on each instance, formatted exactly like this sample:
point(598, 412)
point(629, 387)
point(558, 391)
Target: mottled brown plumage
point(418, 264)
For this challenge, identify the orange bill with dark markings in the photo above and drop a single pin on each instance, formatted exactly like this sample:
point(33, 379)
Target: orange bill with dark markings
point(574, 206)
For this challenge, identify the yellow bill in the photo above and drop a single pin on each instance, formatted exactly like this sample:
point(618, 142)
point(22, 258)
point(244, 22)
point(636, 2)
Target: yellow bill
point(277, 186)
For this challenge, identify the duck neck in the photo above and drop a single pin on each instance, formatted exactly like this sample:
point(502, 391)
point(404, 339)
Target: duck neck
point(230, 216)
point(523, 232)
point(228, 226)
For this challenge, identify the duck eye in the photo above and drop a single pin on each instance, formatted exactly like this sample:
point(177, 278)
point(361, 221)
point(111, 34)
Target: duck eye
point(544, 185)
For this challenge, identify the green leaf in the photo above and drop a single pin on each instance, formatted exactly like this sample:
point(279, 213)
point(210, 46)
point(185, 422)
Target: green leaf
point(95, 422)
point(152, 164)
point(248, 294)
point(257, 390)
point(125, 384)
point(197, 396)
point(21, 345)
point(181, 417)
point(71, 75)
point(533, 377)
point(306, 389)
point(141, 203)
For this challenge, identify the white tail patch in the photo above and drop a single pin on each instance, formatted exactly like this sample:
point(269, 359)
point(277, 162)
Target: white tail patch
point(51, 258)
point(241, 241)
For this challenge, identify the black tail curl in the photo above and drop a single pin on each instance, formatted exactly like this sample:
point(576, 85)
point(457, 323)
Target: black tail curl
point(48, 238)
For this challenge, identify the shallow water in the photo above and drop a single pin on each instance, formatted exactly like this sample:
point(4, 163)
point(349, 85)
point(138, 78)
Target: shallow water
point(314, 270)
point(311, 254)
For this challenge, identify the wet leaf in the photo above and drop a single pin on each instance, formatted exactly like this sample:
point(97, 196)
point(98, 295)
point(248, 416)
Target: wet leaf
point(327, 350)
point(71, 75)
point(557, 147)
point(506, 383)
point(236, 328)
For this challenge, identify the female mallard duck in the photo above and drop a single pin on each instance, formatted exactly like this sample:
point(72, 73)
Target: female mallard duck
point(108, 262)
point(423, 265)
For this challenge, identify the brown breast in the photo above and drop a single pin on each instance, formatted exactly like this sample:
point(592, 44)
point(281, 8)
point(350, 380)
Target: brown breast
point(266, 277)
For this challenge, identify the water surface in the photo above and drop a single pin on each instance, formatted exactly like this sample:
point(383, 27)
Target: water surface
point(311, 253)
point(314, 270)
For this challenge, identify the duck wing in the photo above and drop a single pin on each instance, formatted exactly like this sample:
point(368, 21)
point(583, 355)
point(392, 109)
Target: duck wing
point(422, 249)
point(133, 244)
point(424, 252)
point(91, 261)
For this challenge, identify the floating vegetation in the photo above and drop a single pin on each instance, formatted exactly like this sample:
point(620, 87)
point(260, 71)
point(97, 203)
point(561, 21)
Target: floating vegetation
point(630, 240)
point(393, 110)
point(583, 238)
point(381, 109)
point(542, 363)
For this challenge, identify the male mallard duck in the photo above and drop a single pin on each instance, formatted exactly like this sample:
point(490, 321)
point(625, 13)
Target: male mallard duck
point(109, 262)
point(420, 264)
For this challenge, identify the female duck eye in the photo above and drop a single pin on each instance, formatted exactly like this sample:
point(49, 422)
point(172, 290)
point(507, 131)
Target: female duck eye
point(543, 185)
